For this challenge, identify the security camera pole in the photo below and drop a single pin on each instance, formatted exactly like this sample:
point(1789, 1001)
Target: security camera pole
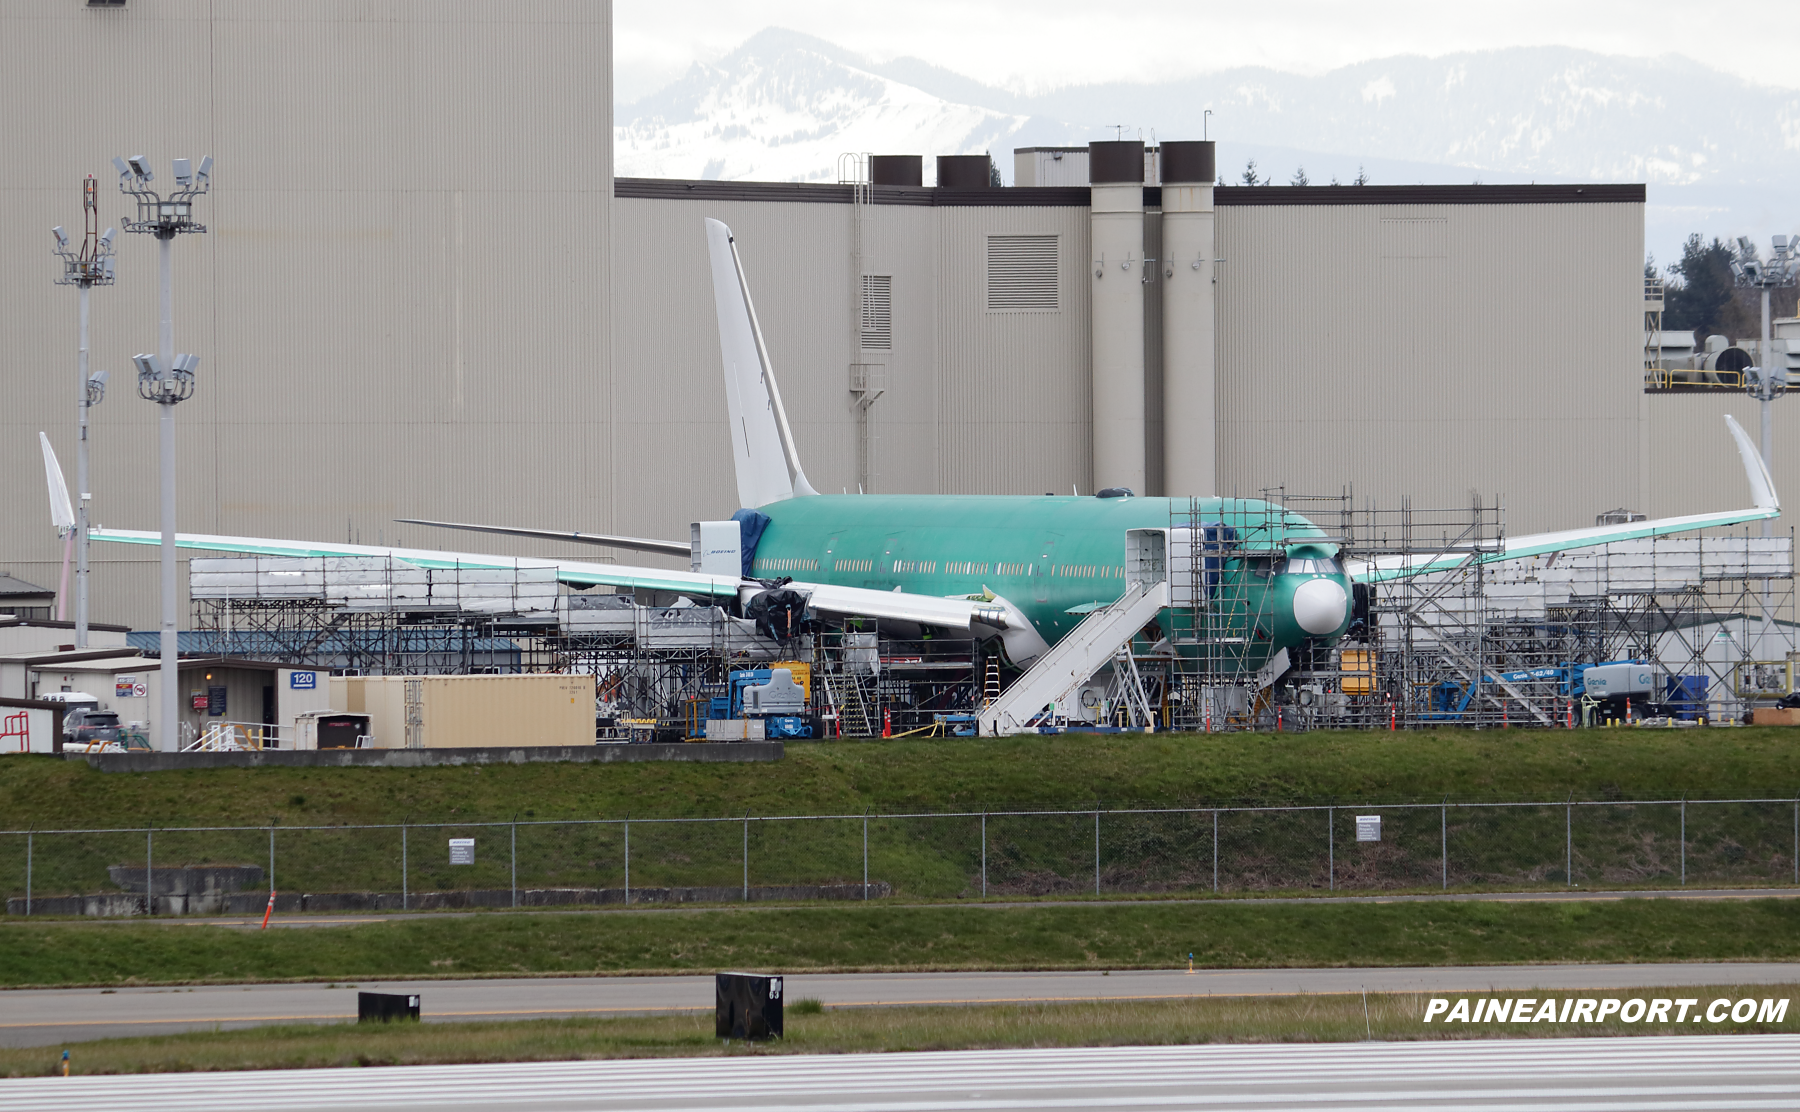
point(166, 379)
point(84, 267)
point(1767, 381)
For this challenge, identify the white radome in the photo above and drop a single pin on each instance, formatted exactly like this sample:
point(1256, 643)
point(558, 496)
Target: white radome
point(1319, 606)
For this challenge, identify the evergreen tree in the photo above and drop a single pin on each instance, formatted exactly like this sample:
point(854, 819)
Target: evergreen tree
point(1249, 177)
point(1362, 177)
point(1700, 289)
point(1299, 177)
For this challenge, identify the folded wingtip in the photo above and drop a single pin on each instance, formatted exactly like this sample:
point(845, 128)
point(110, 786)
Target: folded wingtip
point(1762, 484)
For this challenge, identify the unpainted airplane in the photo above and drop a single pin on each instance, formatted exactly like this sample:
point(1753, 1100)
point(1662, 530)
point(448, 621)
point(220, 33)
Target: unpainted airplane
point(1025, 569)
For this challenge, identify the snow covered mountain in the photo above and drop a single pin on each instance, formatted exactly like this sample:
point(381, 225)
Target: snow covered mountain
point(1719, 153)
point(783, 107)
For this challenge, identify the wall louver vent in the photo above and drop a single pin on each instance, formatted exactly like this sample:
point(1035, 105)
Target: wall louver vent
point(1021, 274)
point(878, 312)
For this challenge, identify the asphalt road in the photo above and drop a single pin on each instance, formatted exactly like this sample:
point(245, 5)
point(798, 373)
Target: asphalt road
point(1649, 1074)
point(44, 1017)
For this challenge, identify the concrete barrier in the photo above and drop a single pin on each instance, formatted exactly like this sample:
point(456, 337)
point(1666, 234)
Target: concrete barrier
point(724, 752)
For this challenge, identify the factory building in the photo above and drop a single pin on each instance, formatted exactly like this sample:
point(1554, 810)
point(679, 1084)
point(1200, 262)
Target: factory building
point(423, 293)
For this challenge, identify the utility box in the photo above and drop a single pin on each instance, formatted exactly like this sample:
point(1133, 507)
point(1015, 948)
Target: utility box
point(748, 1006)
point(451, 712)
point(385, 1007)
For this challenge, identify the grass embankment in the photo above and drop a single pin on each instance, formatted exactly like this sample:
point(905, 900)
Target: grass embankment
point(828, 938)
point(941, 858)
point(842, 1030)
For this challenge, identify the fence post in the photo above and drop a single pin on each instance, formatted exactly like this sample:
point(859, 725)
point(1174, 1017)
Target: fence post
point(149, 872)
point(1684, 838)
point(984, 855)
point(1215, 851)
point(1096, 851)
point(1444, 841)
point(627, 862)
point(1569, 841)
point(28, 870)
point(403, 891)
point(746, 857)
point(515, 861)
point(271, 857)
point(865, 855)
point(1797, 841)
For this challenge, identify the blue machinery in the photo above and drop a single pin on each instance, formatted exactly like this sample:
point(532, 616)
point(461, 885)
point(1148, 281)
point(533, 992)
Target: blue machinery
point(1618, 686)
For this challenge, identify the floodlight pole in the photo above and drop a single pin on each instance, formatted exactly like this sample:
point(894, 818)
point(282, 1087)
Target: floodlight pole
point(166, 381)
point(90, 266)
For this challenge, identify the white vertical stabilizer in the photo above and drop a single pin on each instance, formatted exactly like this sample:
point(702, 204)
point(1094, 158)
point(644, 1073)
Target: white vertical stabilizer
point(763, 452)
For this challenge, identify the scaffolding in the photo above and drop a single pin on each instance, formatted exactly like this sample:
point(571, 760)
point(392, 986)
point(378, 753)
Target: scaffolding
point(1478, 641)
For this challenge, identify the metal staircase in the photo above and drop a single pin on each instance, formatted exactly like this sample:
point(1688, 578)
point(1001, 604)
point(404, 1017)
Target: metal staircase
point(1089, 646)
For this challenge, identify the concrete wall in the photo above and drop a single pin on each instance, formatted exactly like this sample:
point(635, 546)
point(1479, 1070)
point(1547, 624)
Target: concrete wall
point(402, 304)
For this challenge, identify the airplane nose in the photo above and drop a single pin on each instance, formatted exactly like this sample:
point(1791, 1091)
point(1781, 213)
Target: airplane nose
point(1319, 606)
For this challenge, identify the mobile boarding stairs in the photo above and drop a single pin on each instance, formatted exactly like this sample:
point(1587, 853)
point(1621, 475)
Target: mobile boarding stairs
point(1103, 636)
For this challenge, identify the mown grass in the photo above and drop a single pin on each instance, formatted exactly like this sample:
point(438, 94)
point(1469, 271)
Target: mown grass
point(941, 857)
point(843, 938)
point(1337, 1018)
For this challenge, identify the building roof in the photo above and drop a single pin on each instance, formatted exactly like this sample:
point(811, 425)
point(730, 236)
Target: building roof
point(1081, 196)
point(11, 588)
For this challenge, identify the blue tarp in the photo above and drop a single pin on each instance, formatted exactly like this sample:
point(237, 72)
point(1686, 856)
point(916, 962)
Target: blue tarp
point(750, 525)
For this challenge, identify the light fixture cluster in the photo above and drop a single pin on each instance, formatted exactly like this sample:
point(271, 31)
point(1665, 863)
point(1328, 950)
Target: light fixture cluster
point(164, 217)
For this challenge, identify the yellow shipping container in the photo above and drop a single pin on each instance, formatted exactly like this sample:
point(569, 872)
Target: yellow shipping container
point(447, 712)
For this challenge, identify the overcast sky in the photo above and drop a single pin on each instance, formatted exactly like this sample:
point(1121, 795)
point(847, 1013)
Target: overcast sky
point(1049, 43)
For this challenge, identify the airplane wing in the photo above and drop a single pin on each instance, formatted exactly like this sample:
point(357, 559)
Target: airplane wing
point(855, 601)
point(1762, 493)
point(604, 540)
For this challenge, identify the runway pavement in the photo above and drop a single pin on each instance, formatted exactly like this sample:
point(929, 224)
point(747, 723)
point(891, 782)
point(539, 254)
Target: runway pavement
point(1648, 1074)
point(44, 1017)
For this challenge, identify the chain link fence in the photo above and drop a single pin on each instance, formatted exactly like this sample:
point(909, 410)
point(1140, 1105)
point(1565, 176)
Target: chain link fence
point(995, 854)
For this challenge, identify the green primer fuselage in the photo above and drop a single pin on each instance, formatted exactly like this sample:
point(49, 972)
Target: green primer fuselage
point(1045, 555)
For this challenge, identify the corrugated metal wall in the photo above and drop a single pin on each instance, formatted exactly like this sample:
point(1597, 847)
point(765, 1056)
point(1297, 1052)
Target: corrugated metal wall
point(1015, 402)
point(403, 303)
point(1434, 351)
point(1693, 462)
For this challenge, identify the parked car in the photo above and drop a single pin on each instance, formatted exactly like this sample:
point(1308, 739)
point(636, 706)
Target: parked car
point(83, 726)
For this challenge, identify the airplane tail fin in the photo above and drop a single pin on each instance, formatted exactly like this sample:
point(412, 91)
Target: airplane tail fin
point(62, 513)
point(763, 451)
